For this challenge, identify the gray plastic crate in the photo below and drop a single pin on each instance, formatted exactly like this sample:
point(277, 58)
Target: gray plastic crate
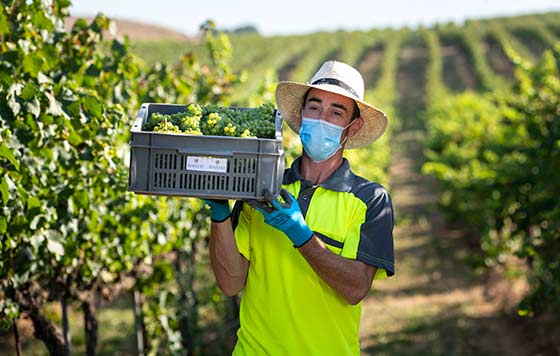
point(203, 166)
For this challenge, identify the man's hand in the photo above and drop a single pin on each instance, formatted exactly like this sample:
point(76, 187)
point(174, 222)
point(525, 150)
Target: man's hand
point(219, 210)
point(286, 217)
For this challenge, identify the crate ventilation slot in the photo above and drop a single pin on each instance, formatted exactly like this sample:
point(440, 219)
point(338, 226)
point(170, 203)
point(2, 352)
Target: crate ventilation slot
point(169, 172)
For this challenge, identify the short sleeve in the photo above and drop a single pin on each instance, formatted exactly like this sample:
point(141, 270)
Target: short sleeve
point(376, 233)
point(241, 220)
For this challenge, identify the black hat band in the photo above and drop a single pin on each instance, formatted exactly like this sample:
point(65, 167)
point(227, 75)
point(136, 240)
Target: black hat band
point(336, 82)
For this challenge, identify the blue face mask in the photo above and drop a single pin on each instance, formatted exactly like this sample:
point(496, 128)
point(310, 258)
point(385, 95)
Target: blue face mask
point(320, 139)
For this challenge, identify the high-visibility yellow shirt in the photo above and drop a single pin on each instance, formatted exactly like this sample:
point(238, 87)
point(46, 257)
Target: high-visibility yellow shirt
point(286, 308)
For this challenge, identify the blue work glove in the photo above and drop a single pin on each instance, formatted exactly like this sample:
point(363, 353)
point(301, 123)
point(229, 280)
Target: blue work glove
point(286, 217)
point(219, 209)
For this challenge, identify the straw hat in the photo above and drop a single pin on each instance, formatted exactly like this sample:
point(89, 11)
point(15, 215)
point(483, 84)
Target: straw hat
point(339, 78)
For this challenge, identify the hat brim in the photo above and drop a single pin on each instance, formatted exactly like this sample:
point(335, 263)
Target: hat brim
point(289, 97)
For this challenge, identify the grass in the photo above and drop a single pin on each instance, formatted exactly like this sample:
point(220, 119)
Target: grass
point(426, 333)
point(116, 331)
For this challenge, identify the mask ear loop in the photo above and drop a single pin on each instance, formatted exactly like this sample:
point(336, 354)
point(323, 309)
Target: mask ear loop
point(346, 138)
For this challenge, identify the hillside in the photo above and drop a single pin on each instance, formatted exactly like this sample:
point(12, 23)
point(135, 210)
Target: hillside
point(138, 31)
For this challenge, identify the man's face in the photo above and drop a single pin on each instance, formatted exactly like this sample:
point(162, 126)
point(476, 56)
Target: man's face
point(324, 105)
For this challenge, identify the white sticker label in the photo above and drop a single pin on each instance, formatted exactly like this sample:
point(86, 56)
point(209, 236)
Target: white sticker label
point(206, 164)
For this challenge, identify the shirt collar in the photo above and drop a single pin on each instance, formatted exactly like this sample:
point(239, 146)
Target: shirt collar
point(340, 181)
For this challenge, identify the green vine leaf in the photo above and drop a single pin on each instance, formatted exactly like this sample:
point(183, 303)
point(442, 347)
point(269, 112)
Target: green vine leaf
point(5, 190)
point(93, 107)
point(3, 225)
point(4, 26)
point(32, 64)
point(7, 153)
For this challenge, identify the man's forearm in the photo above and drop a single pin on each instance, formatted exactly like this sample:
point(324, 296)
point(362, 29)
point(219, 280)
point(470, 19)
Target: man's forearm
point(229, 266)
point(349, 278)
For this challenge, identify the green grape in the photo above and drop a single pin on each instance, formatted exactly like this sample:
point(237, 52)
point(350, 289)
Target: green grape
point(167, 126)
point(153, 121)
point(192, 132)
point(247, 133)
point(195, 110)
point(218, 121)
point(229, 129)
point(189, 122)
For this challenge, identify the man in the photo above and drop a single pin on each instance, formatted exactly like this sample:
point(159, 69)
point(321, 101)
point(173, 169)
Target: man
point(305, 264)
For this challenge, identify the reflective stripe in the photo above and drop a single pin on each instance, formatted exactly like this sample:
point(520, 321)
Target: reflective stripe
point(329, 241)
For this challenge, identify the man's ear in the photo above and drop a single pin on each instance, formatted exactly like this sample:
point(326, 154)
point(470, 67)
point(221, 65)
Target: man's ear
point(355, 127)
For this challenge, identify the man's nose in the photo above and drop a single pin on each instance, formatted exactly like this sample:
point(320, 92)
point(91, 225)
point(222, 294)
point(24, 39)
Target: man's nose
point(322, 115)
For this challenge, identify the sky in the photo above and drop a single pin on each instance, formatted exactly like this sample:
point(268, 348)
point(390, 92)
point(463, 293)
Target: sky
point(282, 17)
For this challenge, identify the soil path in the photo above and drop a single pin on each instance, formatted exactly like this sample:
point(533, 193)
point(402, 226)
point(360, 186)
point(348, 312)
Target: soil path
point(458, 73)
point(369, 64)
point(497, 58)
point(434, 305)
